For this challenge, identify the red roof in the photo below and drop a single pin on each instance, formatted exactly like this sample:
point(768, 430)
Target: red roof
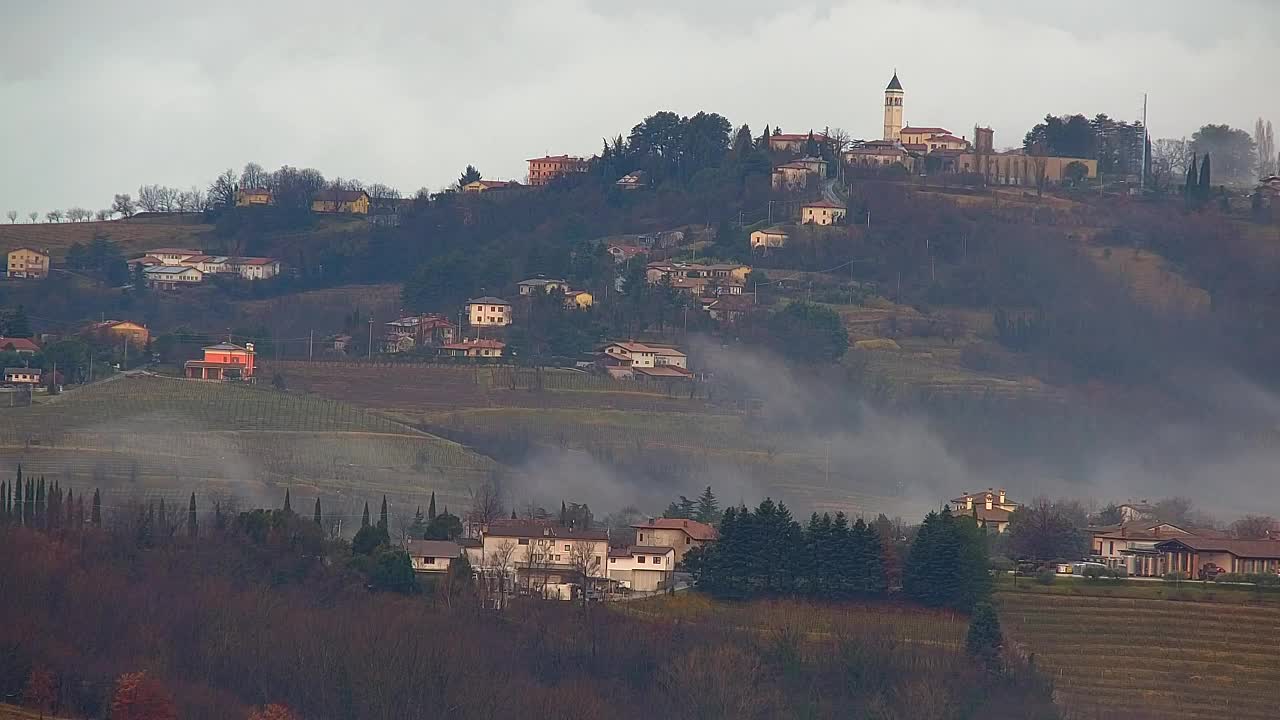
point(480, 344)
point(917, 130)
point(252, 261)
point(797, 137)
point(1266, 549)
point(947, 137)
point(340, 195)
point(558, 158)
point(824, 204)
point(533, 529)
point(692, 528)
point(19, 344)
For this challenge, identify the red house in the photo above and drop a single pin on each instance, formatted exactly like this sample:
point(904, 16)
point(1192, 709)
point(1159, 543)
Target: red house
point(224, 361)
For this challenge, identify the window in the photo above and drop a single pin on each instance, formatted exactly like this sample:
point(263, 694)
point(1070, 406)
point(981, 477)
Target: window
point(640, 559)
point(557, 558)
point(657, 561)
point(523, 541)
point(641, 537)
point(687, 540)
point(613, 560)
point(566, 548)
point(428, 561)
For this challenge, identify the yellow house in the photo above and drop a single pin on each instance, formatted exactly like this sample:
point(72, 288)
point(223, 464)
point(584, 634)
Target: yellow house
point(479, 186)
point(919, 135)
point(488, 311)
point(25, 262)
point(577, 299)
point(822, 212)
point(768, 238)
point(351, 202)
point(137, 335)
point(258, 196)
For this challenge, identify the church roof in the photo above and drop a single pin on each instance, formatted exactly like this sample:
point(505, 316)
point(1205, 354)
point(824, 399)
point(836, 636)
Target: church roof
point(894, 84)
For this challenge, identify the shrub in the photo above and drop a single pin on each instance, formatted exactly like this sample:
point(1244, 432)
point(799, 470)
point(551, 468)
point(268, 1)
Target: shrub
point(1120, 572)
point(1263, 579)
point(1175, 577)
point(1094, 573)
point(1230, 578)
point(1046, 576)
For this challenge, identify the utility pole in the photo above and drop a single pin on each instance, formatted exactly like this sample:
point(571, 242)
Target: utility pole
point(370, 338)
point(1142, 182)
point(311, 340)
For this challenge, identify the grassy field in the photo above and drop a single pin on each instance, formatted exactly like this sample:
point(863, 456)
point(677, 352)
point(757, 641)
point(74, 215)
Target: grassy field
point(1126, 657)
point(168, 437)
point(1151, 280)
point(133, 236)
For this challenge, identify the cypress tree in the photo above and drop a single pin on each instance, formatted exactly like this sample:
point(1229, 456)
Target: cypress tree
point(513, 514)
point(985, 639)
point(1205, 177)
point(95, 516)
point(191, 517)
point(39, 504)
point(4, 501)
point(431, 507)
point(564, 514)
point(69, 511)
point(383, 521)
point(80, 512)
point(288, 506)
point(318, 519)
point(364, 520)
point(1189, 187)
point(219, 520)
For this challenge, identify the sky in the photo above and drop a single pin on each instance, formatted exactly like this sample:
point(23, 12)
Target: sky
point(100, 98)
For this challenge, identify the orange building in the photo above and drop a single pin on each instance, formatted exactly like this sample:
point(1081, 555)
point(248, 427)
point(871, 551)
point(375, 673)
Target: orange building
point(224, 361)
point(545, 169)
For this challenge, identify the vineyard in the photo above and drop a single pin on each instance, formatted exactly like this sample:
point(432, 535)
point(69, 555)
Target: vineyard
point(133, 236)
point(166, 436)
point(1136, 658)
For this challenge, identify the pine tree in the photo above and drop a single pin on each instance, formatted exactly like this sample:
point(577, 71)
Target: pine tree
point(985, 639)
point(708, 510)
point(288, 506)
point(384, 523)
point(191, 517)
point(513, 513)
point(564, 514)
point(1205, 177)
point(364, 520)
point(431, 507)
point(40, 504)
point(318, 519)
point(1189, 187)
point(95, 516)
point(69, 511)
point(80, 512)
point(763, 143)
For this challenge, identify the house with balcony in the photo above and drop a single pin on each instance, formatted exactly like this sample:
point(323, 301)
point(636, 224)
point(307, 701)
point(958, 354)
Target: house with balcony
point(545, 169)
point(541, 559)
point(223, 361)
point(29, 263)
point(488, 311)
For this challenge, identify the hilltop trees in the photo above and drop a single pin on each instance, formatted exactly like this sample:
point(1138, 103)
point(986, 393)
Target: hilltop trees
point(1065, 136)
point(468, 176)
point(123, 206)
point(1232, 149)
point(1041, 530)
point(138, 696)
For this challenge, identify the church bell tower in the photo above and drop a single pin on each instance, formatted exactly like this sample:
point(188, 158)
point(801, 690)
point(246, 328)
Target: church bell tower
point(893, 108)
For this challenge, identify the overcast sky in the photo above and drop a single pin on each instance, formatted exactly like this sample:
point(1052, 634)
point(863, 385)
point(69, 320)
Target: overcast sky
point(101, 97)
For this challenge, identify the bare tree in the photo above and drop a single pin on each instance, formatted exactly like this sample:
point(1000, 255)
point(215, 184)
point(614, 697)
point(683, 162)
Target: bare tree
point(222, 193)
point(102, 215)
point(1169, 159)
point(540, 555)
point(378, 191)
point(33, 216)
point(486, 504)
point(12, 215)
point(586, 564)
point(253, 177)
point(496, 574)
point(1254, 527)
point(196, 200)
point(53, 216)
point(123, 205)
point(168, 198)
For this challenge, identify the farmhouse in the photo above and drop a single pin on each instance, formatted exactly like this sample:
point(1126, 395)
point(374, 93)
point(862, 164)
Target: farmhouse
point(540, 284)
point(642, 568)
point(822, 212)
point(414, 331)
point(480, 186)
point(474, 348)
point(675, 533)
point(793, 142)
point(798, 174)
point(169, 277)
point(1191, 554)
point(881, 153)
point(224, 361)
point(547, 560)
point(729, 308)
point(736, 272)
point(25, 262)
point(432, 556)
point(488, 311)
point(22, 346)
point(22, 376)
point(773, 237)
point(254, 196)
point(991, 508)
point(349, 202)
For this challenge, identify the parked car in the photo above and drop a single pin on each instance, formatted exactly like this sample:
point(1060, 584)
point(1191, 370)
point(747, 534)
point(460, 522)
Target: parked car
point(1080, 567)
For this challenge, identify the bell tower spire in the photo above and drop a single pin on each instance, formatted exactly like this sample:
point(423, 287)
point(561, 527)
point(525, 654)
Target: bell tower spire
point(893, 96)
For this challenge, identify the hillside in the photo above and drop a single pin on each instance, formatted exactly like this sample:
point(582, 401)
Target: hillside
point(152, 435)
point(1112, 657)
point(133, 236)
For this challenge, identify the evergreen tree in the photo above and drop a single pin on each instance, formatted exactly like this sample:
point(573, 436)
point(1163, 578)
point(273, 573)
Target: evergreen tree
point(444, 527)
point(4, 502)
point(1205, 177)
point(708, 510)
point(364, 519)
point(513, 513)
point(288, 506)
point(763, 142)
point(947, 564)
point(95, 516)
point(1189, 187)
point(318, 519)
point(564, 515)
point(80, 511)
point(219, 520)
point(191, 517)
point(985, 639)
point(384, 523)
point(68, 512)
point(40, 504)
point(418, 529)
point(431, 507)
point(19, 326)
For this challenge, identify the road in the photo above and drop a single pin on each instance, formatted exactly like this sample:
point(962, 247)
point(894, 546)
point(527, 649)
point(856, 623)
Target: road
point(829, 192)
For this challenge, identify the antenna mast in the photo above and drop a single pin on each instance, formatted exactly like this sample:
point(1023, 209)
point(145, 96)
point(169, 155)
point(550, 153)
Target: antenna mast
point(1146, 140)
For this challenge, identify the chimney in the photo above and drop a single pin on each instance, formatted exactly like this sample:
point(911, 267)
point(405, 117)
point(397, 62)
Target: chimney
point(989, 502)
point(684, 523)
point(1002, 496)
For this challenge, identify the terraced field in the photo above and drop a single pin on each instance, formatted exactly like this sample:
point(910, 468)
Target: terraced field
point(164, 436)
point(1113, 657)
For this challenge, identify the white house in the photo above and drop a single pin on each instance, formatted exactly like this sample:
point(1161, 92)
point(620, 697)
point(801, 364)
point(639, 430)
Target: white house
point(171, 276)
point(774, 237)
point(173, 256)
point(542, 559)
point(675, 533)
point(22, 376)
point(822, 212)
point(1132, 545)
point(254, 268)
point(488, 311)
point(643, 568)
point(432, 556)
point(640, 355)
